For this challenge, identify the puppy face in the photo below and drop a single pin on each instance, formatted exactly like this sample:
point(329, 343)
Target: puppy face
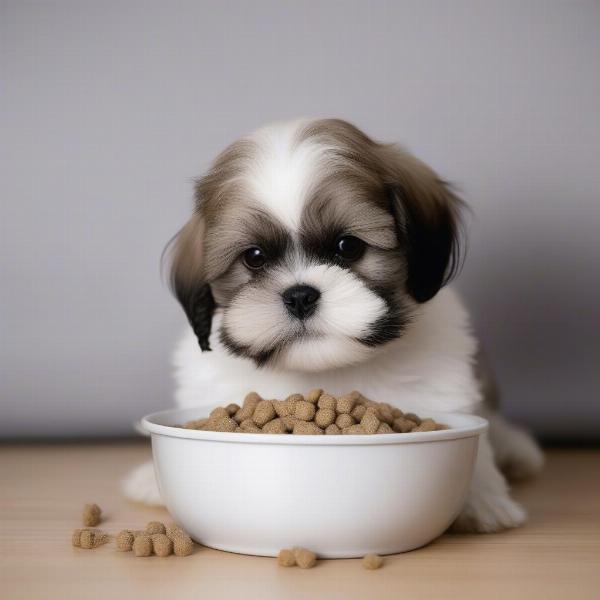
point(317, 244)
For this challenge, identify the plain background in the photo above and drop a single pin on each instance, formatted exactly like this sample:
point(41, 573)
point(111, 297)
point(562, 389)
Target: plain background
point(110, 109)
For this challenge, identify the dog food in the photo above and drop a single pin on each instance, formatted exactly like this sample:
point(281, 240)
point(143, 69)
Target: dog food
point(286, 558)
point(302, 557)
point(316, 413)
point(183, 545)
point(142, 545)
point(372, 561)
point(89, 538)
point(156, 539)
point(91, 515)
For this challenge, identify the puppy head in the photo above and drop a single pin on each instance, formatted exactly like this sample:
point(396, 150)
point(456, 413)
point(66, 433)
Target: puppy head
point(316, 242)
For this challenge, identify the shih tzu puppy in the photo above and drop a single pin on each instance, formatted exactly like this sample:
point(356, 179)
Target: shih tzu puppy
point(317, 257)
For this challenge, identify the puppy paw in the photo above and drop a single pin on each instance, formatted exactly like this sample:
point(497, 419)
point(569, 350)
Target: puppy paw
point(488, 513)
point(140, 486)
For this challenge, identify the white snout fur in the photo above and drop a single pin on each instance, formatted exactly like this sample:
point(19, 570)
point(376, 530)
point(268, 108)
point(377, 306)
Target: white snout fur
point(346, 310)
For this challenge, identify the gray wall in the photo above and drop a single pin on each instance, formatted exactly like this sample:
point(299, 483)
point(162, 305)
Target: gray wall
point(109, 109)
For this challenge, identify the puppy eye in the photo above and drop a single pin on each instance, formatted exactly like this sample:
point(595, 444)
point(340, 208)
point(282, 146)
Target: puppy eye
point(349, 247)
point(254, 258)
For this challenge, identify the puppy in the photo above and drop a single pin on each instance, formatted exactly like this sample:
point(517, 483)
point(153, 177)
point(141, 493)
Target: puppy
point(317, 257)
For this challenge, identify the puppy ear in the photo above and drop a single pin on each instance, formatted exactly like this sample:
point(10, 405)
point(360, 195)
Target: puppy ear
point(427, 216)
point(187, 278)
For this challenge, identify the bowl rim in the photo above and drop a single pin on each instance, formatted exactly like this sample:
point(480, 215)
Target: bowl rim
point(462, 425)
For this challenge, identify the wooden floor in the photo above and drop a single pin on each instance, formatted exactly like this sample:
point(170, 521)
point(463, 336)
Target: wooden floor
point(43, 487)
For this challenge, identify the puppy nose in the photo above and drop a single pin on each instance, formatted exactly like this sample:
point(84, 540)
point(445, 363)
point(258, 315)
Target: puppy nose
point(301, 300)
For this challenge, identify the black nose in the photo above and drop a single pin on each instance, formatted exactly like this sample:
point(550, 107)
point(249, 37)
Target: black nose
point(301, 300)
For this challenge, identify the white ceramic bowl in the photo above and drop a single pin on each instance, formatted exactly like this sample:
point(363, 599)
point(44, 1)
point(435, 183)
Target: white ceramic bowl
point(341, 496)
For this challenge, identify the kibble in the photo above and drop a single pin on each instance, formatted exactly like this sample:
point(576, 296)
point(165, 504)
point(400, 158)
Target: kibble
point(315, 413)
point(89, 538)
point(286, 558)
point(327, 401)
point(161, 544)
point(125, 540)
point(304, 410)
point(314, 395)
point(305, 559)
point(142, 545)
point(370, 421)
point(232, 409)
point(306, 428)
point(274, 426)
point(248, 406)
point(344, 420)
point(183, 545)
point(263, 413)
point(155, 527)
point(372, 561)
point(346, 403)
point(358, 412)
point(325, 417)
point(91, 515)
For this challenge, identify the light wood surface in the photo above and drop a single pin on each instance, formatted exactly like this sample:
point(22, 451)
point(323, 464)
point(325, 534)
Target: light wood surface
point(43, 488)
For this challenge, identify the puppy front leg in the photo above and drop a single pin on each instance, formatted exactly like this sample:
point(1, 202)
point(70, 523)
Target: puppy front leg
point(488, 507)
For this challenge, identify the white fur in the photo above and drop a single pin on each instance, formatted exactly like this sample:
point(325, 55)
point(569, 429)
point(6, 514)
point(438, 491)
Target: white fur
point(281, 173)
point(427, 368)
point(257, 318)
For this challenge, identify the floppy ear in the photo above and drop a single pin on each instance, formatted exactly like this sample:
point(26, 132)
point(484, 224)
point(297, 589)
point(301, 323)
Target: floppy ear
point(427, 216)
point(187, 278)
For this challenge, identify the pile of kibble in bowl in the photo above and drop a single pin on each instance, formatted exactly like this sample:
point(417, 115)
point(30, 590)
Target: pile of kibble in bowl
point(315, 413)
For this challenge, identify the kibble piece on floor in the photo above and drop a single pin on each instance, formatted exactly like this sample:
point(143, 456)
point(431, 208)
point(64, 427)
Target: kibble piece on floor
point(142, 545)
point(125, 540)
point(325, 417)
point(305, 559)
point(161, 544)
point(89, 538)
point(344, 420)
point(306, 428)
point(286, 558)
point(155, 527)
point(314, 395)
point(304, 410)
point(372, 561)
point(76, 538)
point(274, 426)
point(173, 530)
point(91, 515)
point(333, 429)
point(263, 413)
point(183, 545)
